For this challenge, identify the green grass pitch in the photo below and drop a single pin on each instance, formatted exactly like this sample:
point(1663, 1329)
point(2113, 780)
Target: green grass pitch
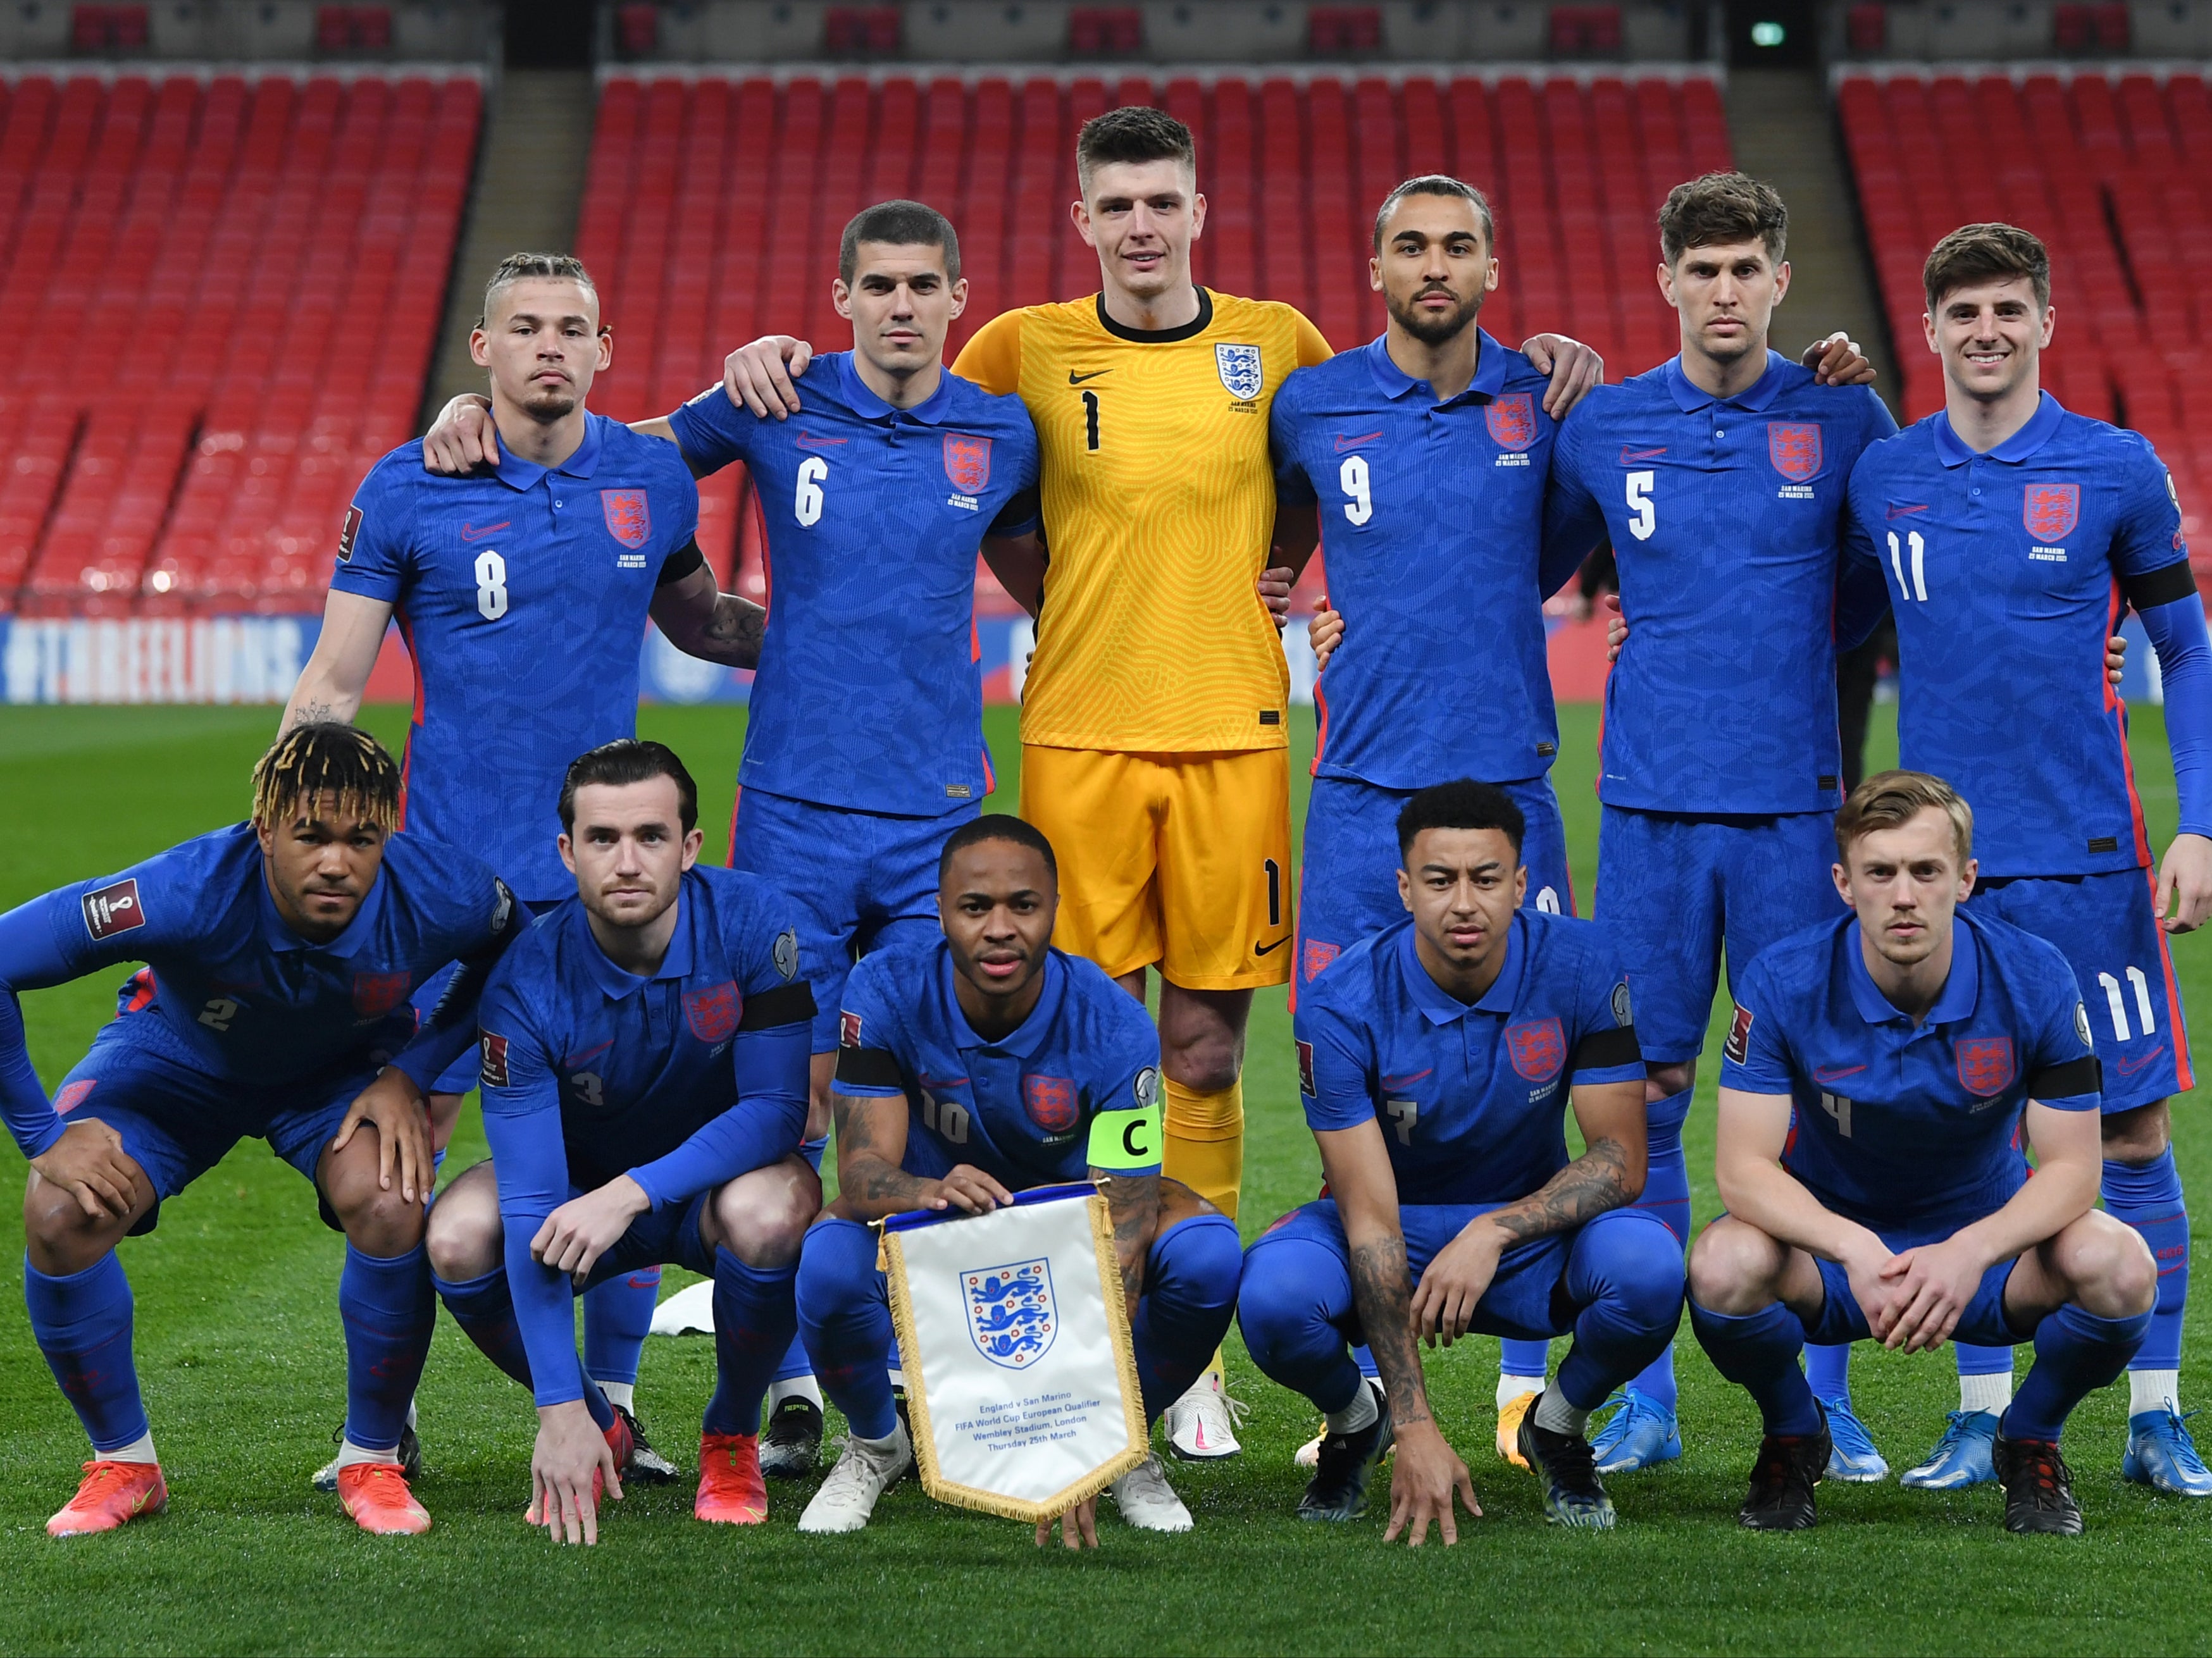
point(239, 1350)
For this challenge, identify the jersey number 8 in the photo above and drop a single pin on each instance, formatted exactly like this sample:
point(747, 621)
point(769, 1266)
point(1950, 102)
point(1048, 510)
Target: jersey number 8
point(491, 586)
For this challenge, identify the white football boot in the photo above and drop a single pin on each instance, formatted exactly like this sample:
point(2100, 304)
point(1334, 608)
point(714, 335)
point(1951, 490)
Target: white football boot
point(1145, 1497)
point(1202, 1424)
point(864, 1473)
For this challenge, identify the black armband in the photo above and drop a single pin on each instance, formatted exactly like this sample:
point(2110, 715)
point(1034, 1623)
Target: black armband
point(2163, 586)
point(868, 1067)
point(2064, 1082)
point(785, 1004)
point(680, 563)
point(1600, 1050)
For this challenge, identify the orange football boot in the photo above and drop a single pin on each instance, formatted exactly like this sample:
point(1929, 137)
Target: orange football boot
point(375, 1494)
point(621, 1442)
point(111, 1494)
point(732, 1492)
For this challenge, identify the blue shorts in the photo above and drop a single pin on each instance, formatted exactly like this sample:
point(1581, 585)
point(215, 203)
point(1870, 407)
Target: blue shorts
point(864, 881)
point(2107, 927)
point(178, 1122)
point(1348, 882)
point(1983, 1324)
point(667, 1236)
point(1528, 1299)
point(1673, 888)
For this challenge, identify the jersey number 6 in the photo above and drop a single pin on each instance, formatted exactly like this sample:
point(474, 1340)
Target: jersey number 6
point(806, 504)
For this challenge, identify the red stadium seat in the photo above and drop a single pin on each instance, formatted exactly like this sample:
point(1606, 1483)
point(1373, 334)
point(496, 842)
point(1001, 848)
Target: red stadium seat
point(1106, 31)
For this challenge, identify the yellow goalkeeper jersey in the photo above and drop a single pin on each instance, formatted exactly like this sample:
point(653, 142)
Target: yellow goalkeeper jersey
point(1159, 508)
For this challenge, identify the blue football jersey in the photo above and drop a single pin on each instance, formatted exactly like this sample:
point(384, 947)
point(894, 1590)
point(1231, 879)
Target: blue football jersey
point(1894, 1122)
point(870, 691)
point(1472, 1096)
point(627, 1070)
point(236, 994)
point(1726, 517)
point(1432, 524)
point(2006, 572)
point(1023, 1109)
point(523, 594)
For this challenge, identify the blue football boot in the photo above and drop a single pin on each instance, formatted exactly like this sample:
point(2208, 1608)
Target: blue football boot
point(1641, 1434)
point(2162, 1456)
point(1852, 1458)
point(1962, 1457)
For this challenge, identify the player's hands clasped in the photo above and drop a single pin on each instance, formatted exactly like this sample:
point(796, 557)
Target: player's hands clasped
point(1444, 1301)
point(395, 1107)
point(574, 1236)
point(569, 1466)
point(461, 439)
point(1078, 1527)
point(90, 1163)
point(759, 375)
point(1275, 587)
point(969, 1190)
point(1424, 1473)
point(1931, 1287)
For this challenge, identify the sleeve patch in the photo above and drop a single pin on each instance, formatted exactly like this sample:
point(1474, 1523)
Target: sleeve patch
point(848, 1029)
point(785, 1004)
point(502, 906)
point(1738, 1046)
point(785, 954)
point(346, 536)
point(113, 908)
point(1623, 1009)
point(2081, 1024)
point(494, 1061)
point(1145, 1091)
point(1306, 1071)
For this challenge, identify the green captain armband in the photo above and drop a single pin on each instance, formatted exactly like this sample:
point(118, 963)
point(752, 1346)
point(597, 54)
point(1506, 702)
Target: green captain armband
point(1122, 1140)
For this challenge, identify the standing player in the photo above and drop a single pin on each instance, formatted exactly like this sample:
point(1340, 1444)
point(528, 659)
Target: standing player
point(1436, 1060)
point(2013, 535)
point(1903, 1210)
point(971, 1069)
point(522, 591)
point(645, 1055)
point(1153, 715)
point(281, 951)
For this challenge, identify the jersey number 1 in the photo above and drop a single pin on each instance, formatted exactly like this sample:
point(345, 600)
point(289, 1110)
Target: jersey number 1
point(1090, 421)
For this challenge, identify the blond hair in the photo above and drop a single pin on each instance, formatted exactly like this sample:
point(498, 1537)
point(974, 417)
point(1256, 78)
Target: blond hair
point(326, 757)
point(1891, 799)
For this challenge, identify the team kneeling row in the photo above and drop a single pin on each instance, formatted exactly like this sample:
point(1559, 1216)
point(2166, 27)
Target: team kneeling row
point(645, 1080)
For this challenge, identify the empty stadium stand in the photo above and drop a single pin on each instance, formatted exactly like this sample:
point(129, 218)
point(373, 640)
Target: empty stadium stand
point(225, 293)
point(713, 205)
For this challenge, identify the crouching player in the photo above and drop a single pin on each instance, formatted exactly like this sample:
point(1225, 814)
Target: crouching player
point(972, 1069)
point(1873, 1091)
point(282, 950)
point(1436, 1060)
point(645, 1054)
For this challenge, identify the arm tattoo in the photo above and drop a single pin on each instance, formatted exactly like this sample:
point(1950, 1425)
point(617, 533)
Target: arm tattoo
point(1382, 1291)
point(1593, 1183)
point(1133, 1202)
point(869, 1182)
point(734, 635)
point(312, 713)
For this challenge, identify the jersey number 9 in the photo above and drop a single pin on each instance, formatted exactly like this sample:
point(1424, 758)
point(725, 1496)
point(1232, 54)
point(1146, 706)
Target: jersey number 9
point(1352, 475)
point(806, 505)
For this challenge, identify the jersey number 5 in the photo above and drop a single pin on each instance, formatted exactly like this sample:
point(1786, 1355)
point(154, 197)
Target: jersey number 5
point(1642, 516)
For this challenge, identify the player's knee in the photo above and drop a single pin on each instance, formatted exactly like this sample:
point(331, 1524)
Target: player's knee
point(763, 1217)
point(380, 1221)
point(1199, 1263)
point(2139, 1136)
point(1274, 1307)
point(463, 1236)
point(1206, 1064)
point(1731, 1268)
point(2115, 1274)
point(1663, 1082)
point(59, 1237)
point(1646, 1275)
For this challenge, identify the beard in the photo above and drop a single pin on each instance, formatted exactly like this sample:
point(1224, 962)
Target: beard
point(1434, 331)
point(549, 403)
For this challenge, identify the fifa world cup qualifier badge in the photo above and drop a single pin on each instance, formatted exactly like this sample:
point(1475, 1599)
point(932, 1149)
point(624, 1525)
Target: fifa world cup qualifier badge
point(1738, 1046)
point(113, 908)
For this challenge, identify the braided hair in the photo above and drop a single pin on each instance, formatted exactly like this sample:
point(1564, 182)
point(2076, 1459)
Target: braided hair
point(322, 758)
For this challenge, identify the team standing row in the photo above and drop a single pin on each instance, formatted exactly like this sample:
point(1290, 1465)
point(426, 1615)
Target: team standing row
point(1153, 731)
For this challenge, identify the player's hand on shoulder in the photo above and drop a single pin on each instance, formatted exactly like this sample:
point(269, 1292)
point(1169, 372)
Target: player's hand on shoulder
point(1078, 1527)
point(1324, 632)
point(395, 1107)
point(90, 1163)
point(1933, 1285)
point(574, 1236)
point(2185, 884)
point(1616, 628)
point(1425, 1474)
point(758, 375)
point(1574, 368)
point(461, 440)
point(970, 1191)
point(1444, 1301)
point(1275, 587)
point(570, 1463)
point(1837, 361)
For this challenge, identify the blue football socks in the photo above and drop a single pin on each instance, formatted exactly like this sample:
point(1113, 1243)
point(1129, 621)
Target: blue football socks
point(845, 1315)
point(617, 1318)
point(1666, 1195)
point(1189, 1297)
point(2149, 1198)
point(2076, 1354)
point(1759, 1352)
point(756, 1319)
point(83, 1324)
point(389, 1310)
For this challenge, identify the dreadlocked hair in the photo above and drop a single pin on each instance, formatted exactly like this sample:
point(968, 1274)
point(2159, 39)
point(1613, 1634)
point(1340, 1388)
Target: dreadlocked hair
point(327, 757)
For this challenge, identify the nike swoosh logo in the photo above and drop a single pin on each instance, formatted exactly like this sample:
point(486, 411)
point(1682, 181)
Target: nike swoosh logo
point(1074, 378)
point(2130, 1068)
point(1629, 457)
point(808, 440)
point(1259, 948)
point(1896, 511)
point(1407, 1082)
point(1343, 444)
point(1835, 1073)
point(470, 532)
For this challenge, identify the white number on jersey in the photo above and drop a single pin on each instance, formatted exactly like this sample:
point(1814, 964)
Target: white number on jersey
point(2140, 982)
point(806, 505)
point(491, 584)
point(1352, 475)
point(947, 1118)
point(1916, 588)
point(1404, 1113)
point(218, 1013)
point(1840, 1108)
point(1644, 517)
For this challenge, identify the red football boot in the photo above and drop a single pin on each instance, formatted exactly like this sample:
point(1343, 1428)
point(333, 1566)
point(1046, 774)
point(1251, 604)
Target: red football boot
point(732, 1492)
point(375, 1494)
point(111, 1494)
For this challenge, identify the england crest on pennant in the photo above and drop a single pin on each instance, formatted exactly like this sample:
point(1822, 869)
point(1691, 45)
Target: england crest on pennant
point(1239, 368)
point(630, 519)
point(2051, 510)
point(1795, 448)
point(1010, 1311)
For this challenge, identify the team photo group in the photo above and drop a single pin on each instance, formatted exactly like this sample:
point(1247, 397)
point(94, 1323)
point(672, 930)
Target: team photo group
point(1943, 979)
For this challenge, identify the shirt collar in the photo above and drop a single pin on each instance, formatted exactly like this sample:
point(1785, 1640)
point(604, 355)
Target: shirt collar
point(1025, 1038)
point(277, 934)
point(1491, 368)
point(930, 411)
point(523, 475)
point(1691, 397)
point(1954, 1002)
point(619, 983)
point(1438, 1005)
point(2041, 426)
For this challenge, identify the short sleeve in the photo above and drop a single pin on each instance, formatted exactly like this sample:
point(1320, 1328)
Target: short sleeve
point(1020, 514)
point(1606, 1047)
point(993, 358)
point(376, 539)
point(128, 917)
point(1293, 487)
point(2063, 1070)
point(772, 974)
point(516, 1073)
point(868, 1036)
point(1125, 1128)
point(680, 493)
point(711, 431)
point(1755, 1058)
point(1313, 347)
point(2147, 544)
point(1333, 1070)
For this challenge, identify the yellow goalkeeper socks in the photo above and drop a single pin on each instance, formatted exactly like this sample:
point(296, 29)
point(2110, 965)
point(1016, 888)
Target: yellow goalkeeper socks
point(1205, 1145)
